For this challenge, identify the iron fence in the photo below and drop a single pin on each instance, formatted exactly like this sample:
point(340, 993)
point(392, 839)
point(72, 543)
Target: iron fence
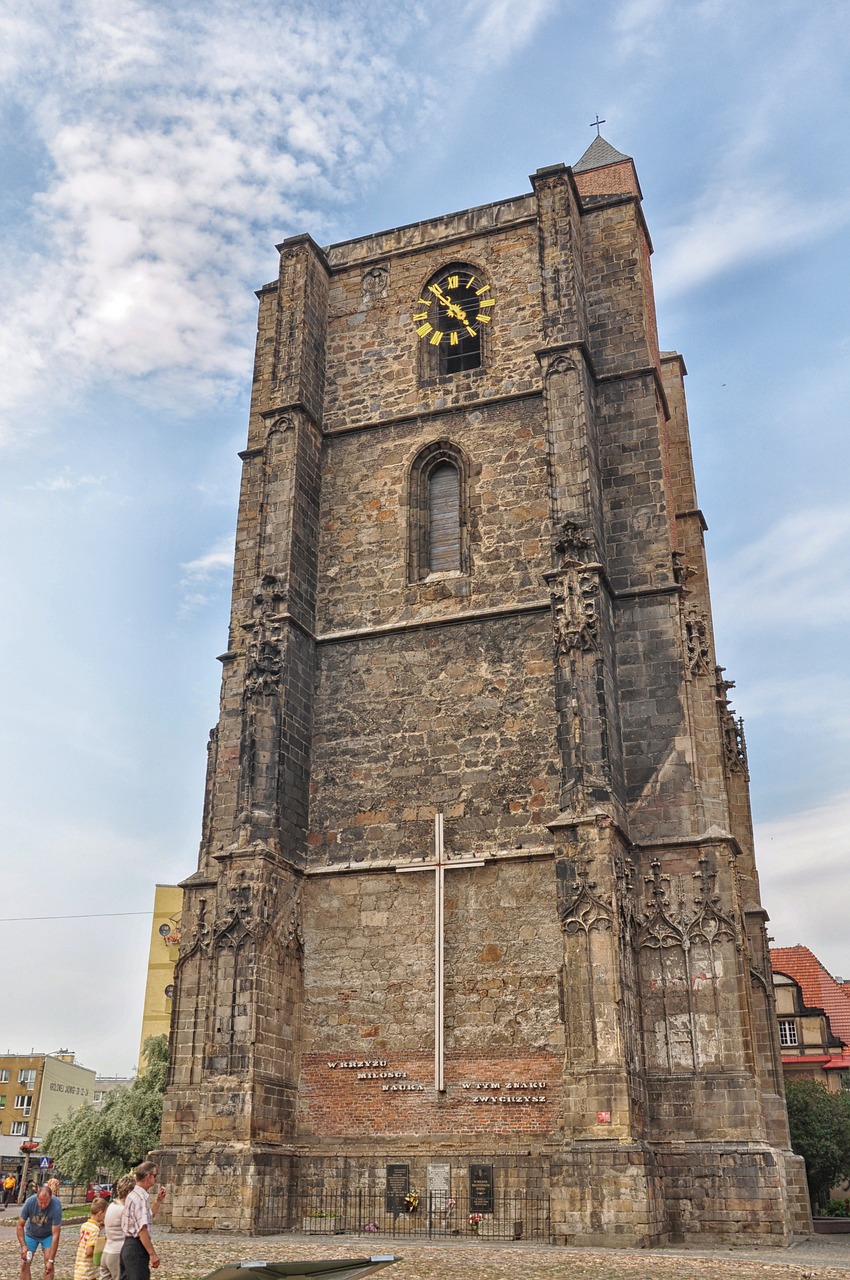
point(321, 1212)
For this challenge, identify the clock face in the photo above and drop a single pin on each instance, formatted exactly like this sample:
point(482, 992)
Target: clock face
point(454, 309)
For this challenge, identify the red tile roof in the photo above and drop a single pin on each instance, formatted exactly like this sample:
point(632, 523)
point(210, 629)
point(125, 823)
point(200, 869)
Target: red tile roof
point(820, 990)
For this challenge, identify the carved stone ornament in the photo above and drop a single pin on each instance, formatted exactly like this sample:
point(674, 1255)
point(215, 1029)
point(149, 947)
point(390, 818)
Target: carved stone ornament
point(375, 283)
point(197, 931)
point(682, 571)
point(572, 543)
point(668, 923)
point(249, 908)
point(624, 871)
point(583, 910)
point(731, 729)
point(270, 597)
point(264, 664)
point(293, 936)
point(560, 366)
point(575, 616)
point(697, 643)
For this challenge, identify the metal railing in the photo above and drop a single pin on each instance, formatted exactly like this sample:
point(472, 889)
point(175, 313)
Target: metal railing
point(356, 1212)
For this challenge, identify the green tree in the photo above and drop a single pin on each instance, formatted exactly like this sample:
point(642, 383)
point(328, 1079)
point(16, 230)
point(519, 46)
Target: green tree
point(88, 1142)
point(820, 1132)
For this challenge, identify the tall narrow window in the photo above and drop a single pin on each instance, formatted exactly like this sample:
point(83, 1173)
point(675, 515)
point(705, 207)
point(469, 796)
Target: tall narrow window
point(438, 529)
point(443, 519)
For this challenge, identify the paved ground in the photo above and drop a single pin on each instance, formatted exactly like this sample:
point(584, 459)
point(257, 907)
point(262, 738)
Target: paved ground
point(185, 1257)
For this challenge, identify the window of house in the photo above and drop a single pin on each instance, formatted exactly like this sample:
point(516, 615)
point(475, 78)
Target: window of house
point(787, 1032)
point(2, 1100)
point(4, 1076)
point(19, 1128)
point(22, 1100)
point(437, 536)
point(27, 1076)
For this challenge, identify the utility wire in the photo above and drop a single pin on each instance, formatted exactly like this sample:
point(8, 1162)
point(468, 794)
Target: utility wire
point(99, 915)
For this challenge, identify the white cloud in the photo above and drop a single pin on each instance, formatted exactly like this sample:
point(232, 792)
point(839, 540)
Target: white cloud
point(205, 577)
point(505, 26)
point(181, 145)
point(803, 861)
point(737, 221)
point(213, 562)
point(67, 481)
point(797, 573)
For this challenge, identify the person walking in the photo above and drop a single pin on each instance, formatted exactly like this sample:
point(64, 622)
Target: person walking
point(39, 1226)
point(85, 1267)
point(137, 1253)
point(110, 1263)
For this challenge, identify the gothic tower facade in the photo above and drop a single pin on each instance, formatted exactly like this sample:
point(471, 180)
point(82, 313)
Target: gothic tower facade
point(476, 887)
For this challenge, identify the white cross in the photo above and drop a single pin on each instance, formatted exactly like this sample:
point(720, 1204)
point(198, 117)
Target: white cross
point(439, 866)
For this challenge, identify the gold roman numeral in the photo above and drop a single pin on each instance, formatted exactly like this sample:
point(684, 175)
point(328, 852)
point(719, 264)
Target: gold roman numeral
point(484, 289)
point(453, 338)
point(454, 282)
point(420, 315)
point(437, 338)
point(424, 328)
point(487, 302)
point(483, 319)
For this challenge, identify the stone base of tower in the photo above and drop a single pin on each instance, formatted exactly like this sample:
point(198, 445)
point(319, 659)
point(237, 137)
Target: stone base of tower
point(594, 1194)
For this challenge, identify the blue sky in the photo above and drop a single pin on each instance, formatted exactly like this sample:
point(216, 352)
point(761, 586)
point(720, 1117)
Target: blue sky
point(153, 156)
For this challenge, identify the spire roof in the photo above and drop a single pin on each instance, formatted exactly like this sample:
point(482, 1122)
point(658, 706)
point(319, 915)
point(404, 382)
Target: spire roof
point(598, 154)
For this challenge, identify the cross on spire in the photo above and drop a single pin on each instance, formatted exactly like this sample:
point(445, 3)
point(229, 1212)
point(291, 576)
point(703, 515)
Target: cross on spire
point(597, 122)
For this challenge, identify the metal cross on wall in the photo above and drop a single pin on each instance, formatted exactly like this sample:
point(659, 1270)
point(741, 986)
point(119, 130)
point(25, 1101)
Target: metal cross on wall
point(440, 865)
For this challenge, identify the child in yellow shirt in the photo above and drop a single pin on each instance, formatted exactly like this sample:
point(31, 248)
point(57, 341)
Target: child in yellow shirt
point(84, 1266)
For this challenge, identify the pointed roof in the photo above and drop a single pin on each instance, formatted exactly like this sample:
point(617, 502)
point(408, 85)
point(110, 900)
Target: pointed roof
point(820, 990)
point(598, 154)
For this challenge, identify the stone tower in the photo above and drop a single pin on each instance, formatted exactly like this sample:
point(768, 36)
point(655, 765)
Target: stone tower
point(476, 887)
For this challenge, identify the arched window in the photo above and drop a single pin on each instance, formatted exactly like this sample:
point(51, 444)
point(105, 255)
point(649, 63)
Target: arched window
point(443, 518)
point(437, 542)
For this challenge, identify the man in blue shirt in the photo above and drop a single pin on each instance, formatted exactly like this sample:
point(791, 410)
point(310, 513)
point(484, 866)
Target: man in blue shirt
point(39, 1225)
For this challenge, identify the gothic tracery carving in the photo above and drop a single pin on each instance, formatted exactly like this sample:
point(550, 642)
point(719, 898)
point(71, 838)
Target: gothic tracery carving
point(575, 610)
point(584, 910)
point(560, 366)
point(697, 642)
point(669, 923)
point(732, 729)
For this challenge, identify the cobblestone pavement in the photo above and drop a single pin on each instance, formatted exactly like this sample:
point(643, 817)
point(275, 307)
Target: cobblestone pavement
point(185, 1257)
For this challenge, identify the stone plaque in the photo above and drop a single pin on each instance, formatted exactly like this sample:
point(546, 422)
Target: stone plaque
point(398, 1185)
point(481, 1188)
point(440, 1180)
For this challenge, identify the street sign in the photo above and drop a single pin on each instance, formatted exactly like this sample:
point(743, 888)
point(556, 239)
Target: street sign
point(45, 1162)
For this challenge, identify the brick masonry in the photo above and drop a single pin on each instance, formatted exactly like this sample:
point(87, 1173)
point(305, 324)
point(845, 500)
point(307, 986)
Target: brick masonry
point(609, 1039)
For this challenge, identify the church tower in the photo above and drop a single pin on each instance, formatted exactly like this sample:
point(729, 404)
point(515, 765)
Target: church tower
point(476, 913)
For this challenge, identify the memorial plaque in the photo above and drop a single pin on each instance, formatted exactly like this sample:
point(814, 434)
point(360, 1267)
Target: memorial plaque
point(398, 1185)
point(440, 1180)
point(481, 1188)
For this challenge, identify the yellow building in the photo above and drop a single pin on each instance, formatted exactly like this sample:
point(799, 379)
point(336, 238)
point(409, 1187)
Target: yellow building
point(164, 950)
point(36, 1090)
